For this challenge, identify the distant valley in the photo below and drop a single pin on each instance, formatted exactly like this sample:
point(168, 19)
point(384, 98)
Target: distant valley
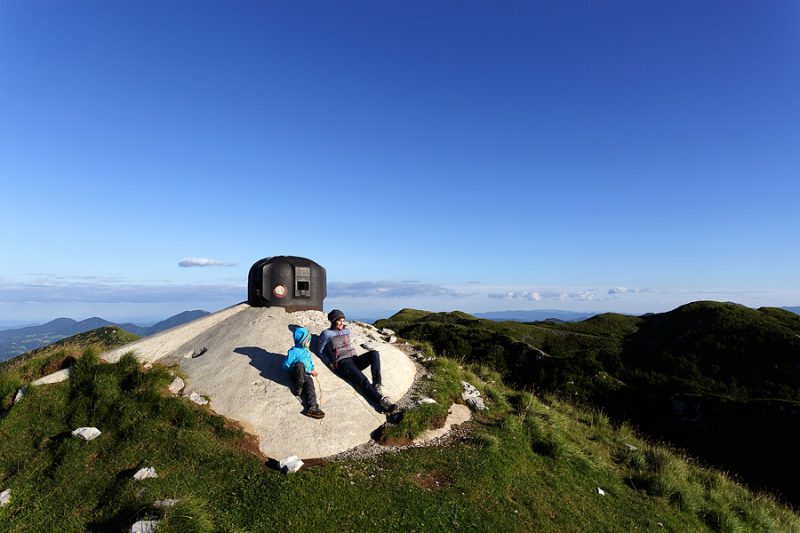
point(16, 341)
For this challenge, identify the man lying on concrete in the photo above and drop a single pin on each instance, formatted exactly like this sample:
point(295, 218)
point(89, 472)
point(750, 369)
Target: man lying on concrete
point(337, 352)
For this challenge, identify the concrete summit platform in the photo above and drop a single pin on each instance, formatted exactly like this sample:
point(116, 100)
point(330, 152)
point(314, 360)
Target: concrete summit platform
point(241, 372)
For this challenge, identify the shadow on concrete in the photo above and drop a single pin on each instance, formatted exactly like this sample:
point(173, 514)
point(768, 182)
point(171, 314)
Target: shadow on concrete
point(269, 364)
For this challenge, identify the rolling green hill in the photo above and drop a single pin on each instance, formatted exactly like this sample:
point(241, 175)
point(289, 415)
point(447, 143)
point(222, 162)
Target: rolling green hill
point(720, 379)
point(531, 462)
point(32, 365)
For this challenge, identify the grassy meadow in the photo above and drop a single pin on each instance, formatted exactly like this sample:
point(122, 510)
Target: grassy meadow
point(527, 463)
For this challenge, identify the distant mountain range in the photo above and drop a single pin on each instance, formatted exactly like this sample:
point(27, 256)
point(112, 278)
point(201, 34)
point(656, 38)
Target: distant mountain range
point(14, 342)
point(535, 315)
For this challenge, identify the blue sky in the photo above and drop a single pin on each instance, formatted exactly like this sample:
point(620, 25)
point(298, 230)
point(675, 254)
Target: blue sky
point(592, 156)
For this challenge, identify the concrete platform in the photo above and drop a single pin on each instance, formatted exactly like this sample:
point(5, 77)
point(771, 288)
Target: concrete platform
point(242, 373)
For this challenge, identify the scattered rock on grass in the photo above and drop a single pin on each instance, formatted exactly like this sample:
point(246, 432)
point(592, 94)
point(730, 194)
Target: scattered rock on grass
point(291, 464)
point(426, 400)
point(145, 473)
point(20, 394)
point(177, 385)
point(86, 433)
point(601, 492)
point(55, 377)
point(162, 504)
point(196, 398)
point(476, 402)
point(145, 526)
point(472, 396)
point(5, 497)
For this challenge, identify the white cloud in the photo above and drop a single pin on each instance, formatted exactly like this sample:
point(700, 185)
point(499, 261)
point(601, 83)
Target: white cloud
point(203, 262)
point(537, 296)
point(531, 296)
point(617, 290)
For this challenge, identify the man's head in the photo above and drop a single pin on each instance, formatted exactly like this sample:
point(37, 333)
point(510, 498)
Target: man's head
point(337, 319)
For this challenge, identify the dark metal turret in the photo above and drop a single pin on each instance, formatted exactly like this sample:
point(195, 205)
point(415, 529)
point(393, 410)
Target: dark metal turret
point(295, 283)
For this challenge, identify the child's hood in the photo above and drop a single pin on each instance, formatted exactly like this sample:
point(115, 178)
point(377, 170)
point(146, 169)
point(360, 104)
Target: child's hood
point(300, 335)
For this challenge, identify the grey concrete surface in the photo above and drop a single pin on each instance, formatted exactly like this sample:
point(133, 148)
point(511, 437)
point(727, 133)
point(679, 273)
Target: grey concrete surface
point(241, 372)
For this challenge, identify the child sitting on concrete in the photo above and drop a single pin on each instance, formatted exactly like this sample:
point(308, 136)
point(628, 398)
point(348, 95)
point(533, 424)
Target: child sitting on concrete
point(301, 368)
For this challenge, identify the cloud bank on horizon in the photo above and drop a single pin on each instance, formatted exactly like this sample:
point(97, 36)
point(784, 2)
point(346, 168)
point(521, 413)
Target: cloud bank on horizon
point(45, 298)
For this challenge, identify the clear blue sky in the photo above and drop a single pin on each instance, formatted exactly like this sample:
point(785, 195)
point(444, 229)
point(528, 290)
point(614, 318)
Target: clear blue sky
point(627, 156)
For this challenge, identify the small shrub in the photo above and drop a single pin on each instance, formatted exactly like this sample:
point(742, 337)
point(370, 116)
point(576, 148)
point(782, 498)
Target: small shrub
point(548, 445)
point(719, 519)
point(652, 484)
point(658, 461)
point(486, 440)
point(543, 441)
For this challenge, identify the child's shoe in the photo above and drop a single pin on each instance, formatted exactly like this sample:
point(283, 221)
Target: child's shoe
point(314, 412)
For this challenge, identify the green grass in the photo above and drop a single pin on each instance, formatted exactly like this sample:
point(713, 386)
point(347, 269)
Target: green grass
point(32, 365)
point(531, 464)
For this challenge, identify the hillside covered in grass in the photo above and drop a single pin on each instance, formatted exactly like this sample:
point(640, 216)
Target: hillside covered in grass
point(719, 379)
point(530, 462)
point(32, 365)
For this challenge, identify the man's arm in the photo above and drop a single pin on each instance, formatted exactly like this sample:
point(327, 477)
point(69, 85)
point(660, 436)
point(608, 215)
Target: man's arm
point(324, 337)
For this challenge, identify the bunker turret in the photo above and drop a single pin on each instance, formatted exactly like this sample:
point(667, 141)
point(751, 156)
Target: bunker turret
point(295, 283)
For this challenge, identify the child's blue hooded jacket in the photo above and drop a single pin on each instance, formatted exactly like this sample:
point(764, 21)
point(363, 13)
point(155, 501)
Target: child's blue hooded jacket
point(299, 353)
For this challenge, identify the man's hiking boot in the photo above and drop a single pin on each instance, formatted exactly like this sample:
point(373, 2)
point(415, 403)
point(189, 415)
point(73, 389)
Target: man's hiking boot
point(387, 405)
point(314, 412)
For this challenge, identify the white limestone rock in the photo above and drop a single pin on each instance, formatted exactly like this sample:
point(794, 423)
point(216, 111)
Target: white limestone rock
point(469, 391)
point(145, 473)
point(476, 402)
point(194, 354)
point(601, 492)
point(196, 398)
point(86, 433)
point(145, 526)
point(163, 504)
point(20, 393)
point(423, 401)
point(392, 339)
point(371, 345)
point(177, 385)
point(387, 331)
point(55, 377)
point(457, 414)
point(472, 396)
point(5, 497)
point(291, 464)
